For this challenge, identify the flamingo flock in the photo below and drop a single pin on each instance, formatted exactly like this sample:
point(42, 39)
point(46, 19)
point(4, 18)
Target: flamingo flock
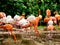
point(50, 20)
point(8, 23)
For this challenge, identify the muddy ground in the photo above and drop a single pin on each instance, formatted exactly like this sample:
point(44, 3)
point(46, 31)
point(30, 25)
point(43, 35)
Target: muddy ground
point(29, 38)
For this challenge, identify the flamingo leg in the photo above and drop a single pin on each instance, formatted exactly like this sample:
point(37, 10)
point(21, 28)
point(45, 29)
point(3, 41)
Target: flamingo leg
point(14, 36)
point(37, 32)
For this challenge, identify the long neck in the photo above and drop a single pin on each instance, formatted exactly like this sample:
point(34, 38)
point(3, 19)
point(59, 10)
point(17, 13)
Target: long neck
point(37, 18)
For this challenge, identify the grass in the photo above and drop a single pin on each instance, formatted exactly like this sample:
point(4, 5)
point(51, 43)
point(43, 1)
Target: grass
point(41, 27)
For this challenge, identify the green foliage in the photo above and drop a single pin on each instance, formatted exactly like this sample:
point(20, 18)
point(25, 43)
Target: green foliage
point(12, 7)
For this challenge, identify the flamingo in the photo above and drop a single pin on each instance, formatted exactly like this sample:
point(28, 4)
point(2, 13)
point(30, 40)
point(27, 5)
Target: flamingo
point(24, 23)
point(50, 22)
point(9, 27)
point(2, 15)
point(50, 28)
point(17, 20)
point(35, 24)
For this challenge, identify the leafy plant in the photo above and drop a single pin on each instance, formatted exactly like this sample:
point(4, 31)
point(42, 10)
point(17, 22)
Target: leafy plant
point(12, 7)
